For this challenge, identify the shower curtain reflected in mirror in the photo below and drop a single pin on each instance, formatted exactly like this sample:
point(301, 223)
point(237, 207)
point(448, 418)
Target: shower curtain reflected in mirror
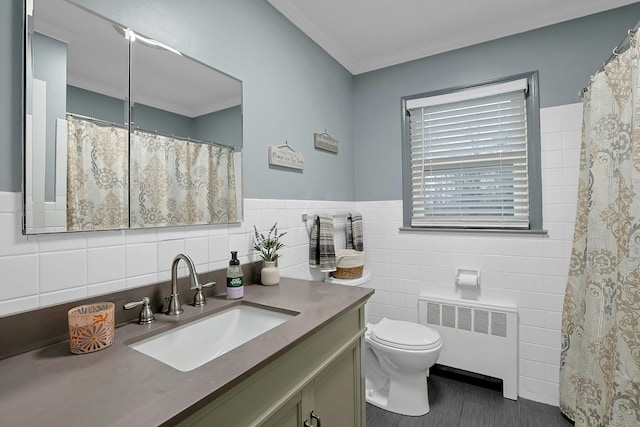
point(600, 358)
point(179, 182)
point(97, 176)
point(174, 181)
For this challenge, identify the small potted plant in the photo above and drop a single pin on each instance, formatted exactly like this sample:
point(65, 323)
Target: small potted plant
point(268, 247)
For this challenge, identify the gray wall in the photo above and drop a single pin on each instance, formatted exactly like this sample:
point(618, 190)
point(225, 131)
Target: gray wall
point(165, 122)
point(291, 87)
point(566, 55)
point(92, 104)
point(223, 127)
point(11, 90)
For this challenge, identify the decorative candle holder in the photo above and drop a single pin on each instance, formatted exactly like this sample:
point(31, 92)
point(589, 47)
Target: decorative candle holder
point(91, 327)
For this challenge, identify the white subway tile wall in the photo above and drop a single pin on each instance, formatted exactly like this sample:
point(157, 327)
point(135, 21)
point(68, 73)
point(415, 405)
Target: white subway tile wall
point(41, 270)
point(529, 271)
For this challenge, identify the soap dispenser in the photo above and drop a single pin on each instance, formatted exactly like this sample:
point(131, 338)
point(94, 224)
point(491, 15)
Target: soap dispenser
point(235, 278)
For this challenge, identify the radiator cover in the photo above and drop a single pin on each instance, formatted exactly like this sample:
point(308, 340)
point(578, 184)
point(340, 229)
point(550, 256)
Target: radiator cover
point(477, 337)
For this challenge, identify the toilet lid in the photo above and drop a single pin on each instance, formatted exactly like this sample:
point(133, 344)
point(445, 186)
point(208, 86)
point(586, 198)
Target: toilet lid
point(405, 335)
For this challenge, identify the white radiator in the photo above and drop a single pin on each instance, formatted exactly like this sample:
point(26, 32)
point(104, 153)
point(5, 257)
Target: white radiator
point(476, 337)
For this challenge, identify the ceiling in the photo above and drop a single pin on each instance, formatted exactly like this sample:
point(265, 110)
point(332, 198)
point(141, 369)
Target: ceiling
point(365, 35)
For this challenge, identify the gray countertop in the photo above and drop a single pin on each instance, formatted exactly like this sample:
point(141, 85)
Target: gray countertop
point(120, 386)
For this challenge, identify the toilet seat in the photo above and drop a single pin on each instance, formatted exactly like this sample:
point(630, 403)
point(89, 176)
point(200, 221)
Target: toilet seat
point(405, 335)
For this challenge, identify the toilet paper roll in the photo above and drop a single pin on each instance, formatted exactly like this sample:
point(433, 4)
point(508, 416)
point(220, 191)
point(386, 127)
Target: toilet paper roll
point(467, 280)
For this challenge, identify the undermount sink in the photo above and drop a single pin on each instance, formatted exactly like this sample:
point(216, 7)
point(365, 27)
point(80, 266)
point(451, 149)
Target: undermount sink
point(196, 343)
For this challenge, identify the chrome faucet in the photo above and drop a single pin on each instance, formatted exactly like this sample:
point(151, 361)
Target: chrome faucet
point(175, 308)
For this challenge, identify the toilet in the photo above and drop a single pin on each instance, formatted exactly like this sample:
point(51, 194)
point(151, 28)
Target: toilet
point(398, 355)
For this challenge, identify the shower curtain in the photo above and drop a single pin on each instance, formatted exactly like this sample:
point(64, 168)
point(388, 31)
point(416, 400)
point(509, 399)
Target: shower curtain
point(600, 357)
point(97, 176)
point(179, 182)
point(174, 181)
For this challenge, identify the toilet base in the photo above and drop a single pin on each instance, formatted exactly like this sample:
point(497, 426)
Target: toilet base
point(409, 395)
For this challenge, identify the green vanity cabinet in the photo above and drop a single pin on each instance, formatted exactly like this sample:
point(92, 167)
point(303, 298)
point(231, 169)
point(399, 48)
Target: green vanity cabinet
point(290, 415)
point(320, 374)
point(334, 393)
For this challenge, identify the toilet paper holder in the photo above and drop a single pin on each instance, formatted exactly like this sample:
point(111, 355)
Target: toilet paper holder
point(468, 278)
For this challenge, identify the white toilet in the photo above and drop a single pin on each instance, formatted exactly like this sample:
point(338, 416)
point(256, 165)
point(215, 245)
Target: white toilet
point(398, 356)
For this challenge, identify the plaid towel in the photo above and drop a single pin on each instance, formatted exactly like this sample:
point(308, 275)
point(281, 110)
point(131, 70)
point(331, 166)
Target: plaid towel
point(322, 252)
point(354, 232)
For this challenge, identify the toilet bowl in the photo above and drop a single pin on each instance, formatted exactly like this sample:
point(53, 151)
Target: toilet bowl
point(398, 355)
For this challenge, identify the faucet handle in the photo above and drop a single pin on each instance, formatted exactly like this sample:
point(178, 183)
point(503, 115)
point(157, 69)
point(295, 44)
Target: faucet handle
point(199, 299)
point(146, 315)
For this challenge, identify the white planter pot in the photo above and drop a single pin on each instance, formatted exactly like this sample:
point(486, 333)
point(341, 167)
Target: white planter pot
point(270, 275)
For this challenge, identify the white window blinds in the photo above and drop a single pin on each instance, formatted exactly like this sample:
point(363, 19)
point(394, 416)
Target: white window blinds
point(469, 158)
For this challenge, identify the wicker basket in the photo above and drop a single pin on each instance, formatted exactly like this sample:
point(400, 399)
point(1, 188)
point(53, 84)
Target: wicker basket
point(348, 273)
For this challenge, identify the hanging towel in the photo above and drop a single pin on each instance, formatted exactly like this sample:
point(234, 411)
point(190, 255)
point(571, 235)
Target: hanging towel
point(354, 232)
point(322, 251)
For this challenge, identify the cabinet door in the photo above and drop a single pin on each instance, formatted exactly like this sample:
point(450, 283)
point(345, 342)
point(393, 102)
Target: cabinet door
point(335, 393)
point(287, 416)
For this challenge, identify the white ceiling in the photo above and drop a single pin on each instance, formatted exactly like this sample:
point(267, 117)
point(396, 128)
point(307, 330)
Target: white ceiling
point(365, 35)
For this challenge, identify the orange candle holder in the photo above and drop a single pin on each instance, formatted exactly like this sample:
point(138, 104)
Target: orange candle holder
point(91, 327)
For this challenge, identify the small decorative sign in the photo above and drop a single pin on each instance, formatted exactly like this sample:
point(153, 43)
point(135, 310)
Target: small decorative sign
point(285, 156)
point(324, 141)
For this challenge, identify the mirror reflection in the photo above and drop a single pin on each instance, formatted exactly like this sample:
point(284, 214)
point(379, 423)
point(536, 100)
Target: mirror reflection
point(123, 131)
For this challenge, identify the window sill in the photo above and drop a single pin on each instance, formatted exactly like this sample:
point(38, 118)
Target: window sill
point(493, 231)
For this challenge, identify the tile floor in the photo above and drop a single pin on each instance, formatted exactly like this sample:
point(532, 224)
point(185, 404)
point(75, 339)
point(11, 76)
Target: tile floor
point(457, 402)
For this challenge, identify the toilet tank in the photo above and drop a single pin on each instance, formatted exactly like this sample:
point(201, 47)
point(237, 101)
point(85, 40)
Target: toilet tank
point(361, 281)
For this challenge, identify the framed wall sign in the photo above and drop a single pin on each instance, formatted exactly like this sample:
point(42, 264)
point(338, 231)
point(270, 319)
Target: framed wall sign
point(286, 157)
point(324, 141)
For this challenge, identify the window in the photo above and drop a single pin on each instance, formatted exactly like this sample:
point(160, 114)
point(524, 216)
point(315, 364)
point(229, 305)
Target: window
point(473, 157)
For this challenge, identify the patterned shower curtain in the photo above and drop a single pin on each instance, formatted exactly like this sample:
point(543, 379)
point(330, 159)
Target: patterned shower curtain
point(97, 176)
point(173, 181)
point(178, 182)
point(600, 358)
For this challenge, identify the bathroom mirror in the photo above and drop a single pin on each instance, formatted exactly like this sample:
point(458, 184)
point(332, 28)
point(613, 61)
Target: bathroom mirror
point(122, 131)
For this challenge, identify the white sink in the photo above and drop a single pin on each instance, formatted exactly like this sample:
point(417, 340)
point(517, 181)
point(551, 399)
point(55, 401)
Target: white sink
point(198, 342)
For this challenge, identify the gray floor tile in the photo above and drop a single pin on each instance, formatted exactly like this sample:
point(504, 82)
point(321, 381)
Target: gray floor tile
point(480, 394)
point(533, 418)
point(429, 420)
point(554, 410)
point(485, 407)
point(446, 398)
point(530, 404)
point(440, 415)
point(455, 403)
point(377, 417)
point(492, 415)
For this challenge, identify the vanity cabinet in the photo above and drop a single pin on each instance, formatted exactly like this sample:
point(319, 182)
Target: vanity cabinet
point(321, 374)
point(332, 396)
point(290, 415)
